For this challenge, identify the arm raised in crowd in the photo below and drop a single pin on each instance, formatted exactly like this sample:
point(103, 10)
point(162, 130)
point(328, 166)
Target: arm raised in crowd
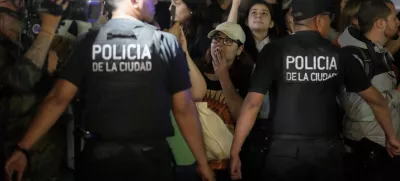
point(199, 87)
point(183, 107)
point(233, 100)
point(26, 71)
point(234, 12)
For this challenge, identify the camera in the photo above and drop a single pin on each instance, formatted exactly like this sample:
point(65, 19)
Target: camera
point(82, 10)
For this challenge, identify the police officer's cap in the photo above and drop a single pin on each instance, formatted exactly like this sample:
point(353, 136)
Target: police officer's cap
point(304, 9)
point(232, 30)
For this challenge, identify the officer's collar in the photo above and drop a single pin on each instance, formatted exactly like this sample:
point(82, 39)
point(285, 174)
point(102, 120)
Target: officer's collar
point(308, 34)
point(127, 22)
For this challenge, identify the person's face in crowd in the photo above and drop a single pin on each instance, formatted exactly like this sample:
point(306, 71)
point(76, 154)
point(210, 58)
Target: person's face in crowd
point(259, 18)
point(289, 22)
point(229, 48)
point(343, 4)
point(147, 9)
point(392, 23)
point(182, 12)
point(10, 27)
point(323, 22)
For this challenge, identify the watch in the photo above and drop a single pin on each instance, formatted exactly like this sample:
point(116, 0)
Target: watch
point(24, 151)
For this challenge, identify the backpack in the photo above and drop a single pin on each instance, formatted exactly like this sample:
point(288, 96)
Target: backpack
point(365, 62)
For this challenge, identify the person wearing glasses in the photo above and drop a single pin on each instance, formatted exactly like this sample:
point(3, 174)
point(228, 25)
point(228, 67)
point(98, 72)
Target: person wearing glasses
point(304, 73)
point(226, 70)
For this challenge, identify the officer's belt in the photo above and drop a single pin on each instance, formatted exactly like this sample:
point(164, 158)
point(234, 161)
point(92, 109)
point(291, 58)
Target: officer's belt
point(89, 136)
point(303, 137)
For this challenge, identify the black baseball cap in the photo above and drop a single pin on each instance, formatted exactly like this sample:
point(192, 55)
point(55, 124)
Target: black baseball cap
point(304, 9)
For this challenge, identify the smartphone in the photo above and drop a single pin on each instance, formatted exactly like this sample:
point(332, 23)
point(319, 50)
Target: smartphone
point(173, 10)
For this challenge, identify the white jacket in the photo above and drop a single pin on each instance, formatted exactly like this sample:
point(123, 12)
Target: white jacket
point(360, 121)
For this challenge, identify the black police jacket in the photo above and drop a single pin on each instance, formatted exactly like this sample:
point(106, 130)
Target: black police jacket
point(306, 72)
point(127, 74)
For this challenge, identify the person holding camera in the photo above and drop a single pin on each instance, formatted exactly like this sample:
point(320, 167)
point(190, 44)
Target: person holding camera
point(24, 81)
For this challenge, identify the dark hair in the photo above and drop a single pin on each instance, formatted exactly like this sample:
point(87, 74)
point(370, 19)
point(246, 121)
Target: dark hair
point(349, 13)
point(196, 19)
point(242, 64)
point(370, 11)
point(269, 6)
point(196, 27)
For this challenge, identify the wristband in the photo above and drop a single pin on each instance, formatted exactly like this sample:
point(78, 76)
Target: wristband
point(24, 151)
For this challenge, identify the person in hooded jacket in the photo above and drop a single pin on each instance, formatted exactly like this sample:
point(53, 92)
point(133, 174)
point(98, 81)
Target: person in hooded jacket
point(377, 23)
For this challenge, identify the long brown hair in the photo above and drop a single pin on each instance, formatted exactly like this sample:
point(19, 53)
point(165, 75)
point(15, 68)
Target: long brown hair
point(349, 13)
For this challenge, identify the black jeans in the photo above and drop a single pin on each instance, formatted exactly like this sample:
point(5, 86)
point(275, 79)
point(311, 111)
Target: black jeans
point(370, 161)
point(127, 161)
point(304, 160)
point(253, 150)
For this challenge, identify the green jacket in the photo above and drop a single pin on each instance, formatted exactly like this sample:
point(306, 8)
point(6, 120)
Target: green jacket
point(23, 86)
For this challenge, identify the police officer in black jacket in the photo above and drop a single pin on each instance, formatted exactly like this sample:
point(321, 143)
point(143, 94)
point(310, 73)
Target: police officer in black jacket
point(130, 75)
point(304, 72)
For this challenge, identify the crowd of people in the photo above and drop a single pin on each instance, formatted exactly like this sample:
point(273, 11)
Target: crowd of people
point(302, 89)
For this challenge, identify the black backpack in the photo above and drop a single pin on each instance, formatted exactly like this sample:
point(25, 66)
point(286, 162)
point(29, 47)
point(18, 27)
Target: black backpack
point(364, 60)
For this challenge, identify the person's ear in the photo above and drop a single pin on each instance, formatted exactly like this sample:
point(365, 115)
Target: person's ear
point(320, 22)
point(354, 21)
point(240, 50)
point(380, 24)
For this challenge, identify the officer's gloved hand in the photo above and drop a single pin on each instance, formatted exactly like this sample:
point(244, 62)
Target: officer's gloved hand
point(49, 20)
